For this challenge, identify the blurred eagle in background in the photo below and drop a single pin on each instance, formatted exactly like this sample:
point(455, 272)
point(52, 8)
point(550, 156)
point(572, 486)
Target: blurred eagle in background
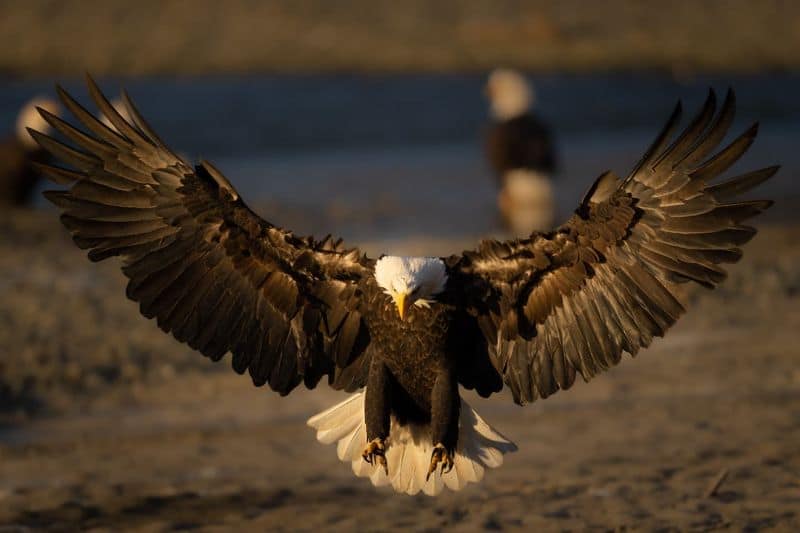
point(521, 153)
point(19, 153)
point(529, 314)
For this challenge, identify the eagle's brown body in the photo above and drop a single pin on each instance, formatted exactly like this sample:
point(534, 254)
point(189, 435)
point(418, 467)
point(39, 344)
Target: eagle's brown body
point(413, 374)
point(523, 142)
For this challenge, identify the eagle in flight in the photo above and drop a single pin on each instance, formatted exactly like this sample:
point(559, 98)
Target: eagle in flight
point(404, 333)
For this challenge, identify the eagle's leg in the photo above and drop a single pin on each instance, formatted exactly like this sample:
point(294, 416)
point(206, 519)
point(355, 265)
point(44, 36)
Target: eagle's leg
point(445, 407)
point(377, 413)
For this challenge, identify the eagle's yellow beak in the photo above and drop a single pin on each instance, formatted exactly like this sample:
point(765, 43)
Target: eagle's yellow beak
point(402, 301)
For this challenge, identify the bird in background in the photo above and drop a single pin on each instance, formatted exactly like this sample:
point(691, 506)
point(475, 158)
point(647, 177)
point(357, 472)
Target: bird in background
point(19, 153)
point(519, 147)
point(404, 333)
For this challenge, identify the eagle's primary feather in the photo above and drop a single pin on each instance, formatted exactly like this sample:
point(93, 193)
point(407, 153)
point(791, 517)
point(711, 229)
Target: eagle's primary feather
point(530, 313)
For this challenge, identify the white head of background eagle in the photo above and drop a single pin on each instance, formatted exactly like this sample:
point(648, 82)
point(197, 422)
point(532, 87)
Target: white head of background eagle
point(510, 94)
point(29, 117)
point(410, 280)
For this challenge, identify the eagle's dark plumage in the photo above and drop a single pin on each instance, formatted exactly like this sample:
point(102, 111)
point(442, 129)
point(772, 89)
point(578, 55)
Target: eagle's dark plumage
point(521, 142)
point(531, 313)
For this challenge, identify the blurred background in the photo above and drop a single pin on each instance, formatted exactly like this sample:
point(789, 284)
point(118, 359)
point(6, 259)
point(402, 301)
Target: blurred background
point(367, 119)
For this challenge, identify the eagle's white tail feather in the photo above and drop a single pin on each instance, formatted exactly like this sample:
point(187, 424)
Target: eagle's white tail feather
point(409, 448)
point(338, 421)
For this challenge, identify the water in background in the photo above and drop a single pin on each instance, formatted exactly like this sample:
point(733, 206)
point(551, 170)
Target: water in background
point(387, 158)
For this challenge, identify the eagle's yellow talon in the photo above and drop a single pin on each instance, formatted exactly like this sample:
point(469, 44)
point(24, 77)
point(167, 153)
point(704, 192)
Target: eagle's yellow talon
point(441, 456)
point(375, 453)
point(382, 461)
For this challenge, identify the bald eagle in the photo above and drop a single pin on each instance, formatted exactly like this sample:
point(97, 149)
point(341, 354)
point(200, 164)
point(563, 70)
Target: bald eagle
point(19, 153)
point(528, 314)
point(521, 152)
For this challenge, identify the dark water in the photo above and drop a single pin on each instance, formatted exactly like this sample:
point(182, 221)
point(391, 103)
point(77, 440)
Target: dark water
point(388, 157)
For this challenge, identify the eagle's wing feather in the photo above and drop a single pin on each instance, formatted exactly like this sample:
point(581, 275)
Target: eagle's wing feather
point(571, 301)
point(211, 271)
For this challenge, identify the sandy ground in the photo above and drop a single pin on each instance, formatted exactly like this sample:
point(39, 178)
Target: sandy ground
point(110, 425)
point(242, 36)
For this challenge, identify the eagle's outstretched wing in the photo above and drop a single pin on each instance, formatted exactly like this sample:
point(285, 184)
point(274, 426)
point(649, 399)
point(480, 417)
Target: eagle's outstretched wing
point(571, 301)
point(212, 272)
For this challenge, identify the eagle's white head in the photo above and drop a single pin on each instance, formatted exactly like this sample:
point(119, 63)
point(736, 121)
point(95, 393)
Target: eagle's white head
point(410, 280)
point(510, 94)
point(29, 117)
